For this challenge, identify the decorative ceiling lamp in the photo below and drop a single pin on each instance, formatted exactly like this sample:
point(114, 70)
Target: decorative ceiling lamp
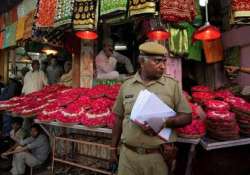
point(88, 34)
point(49, 50)
point(207, 31)
point(157, 31)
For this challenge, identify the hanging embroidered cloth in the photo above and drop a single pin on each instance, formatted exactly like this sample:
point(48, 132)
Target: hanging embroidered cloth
point(28, 25)
point(177, 10)
point(111, 7)
point(1, 22)
point(241, 8)
point(13, 14)
point(174, 69)
point(20, 28)
point(85, 14)
point(137, 7)
point(10, 36)
point(178, 41)
point(46, 13)
point(1, 39)
point(25, 7)
point(64, 12)
point(194, 48)
point(7, 19)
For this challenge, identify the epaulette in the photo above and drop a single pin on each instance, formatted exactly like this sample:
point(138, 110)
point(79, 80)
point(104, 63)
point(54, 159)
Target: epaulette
point(168, 76)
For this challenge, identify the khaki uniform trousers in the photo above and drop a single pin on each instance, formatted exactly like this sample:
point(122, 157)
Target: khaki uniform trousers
point(132, 163)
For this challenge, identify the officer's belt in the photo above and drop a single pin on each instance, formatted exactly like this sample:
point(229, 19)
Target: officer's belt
point(141, 150)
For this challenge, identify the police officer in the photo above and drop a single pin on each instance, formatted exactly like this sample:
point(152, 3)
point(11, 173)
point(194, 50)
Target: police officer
point(140, 150)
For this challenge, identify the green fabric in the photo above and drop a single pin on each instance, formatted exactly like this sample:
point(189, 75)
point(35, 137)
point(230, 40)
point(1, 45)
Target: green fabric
point(10, 36)
point(117, 5)
point(198, 18)
point(106, 82)
point(195, 48)
point(64, 12)
point(178, 41)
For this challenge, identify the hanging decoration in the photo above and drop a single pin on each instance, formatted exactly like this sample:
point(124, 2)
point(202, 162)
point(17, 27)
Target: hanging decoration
point(28, 25)
point(195, 48)
point(25, 7)
point(137, 7)
point(178, 41)
point(157, 30)
point(213, 51)
point(64, 12)
point(20, 28)
point(85, 18)
point(1, 22)
point(207, 32)
point(46, 13)
point(10, 36)
point(115, 8)
point(177, 10)
point(1, 39)
point(7, 19)
point(241, 8)
point(241, 11)
point(13, 14)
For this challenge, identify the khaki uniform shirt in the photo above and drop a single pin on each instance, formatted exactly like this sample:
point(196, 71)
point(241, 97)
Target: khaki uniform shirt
point(166, 88)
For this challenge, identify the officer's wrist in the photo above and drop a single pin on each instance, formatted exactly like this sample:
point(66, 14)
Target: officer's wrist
point(169, 123)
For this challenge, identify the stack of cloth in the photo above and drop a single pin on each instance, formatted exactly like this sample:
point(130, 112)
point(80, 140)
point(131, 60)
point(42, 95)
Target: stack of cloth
point(242, 112)
point(222, 125)
point(240, 12)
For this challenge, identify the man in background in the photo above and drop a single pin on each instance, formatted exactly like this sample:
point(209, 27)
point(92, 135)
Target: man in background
point(15, 137)
point(35, 79)
point(107, 60)
point(54, 71)
point(66, 79)
point(33, 151)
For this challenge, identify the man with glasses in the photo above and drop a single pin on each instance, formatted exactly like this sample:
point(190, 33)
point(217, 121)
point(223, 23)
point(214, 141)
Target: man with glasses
point(140, 151)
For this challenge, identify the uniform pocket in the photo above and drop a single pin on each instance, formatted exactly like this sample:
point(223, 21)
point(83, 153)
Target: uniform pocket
point(128, 105)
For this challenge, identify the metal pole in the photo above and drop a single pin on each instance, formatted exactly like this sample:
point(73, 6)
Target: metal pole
point(206, 11)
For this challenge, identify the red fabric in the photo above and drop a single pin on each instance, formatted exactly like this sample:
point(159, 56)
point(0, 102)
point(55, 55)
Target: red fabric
point(1, 40)
point(46, 13)
point(13, 14)
point(177, 10)
point(1, 22)
point(241, 5)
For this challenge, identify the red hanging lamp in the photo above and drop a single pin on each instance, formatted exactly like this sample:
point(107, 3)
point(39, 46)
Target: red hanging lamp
point(157, 31)
point(207, 32)
point(87, 34)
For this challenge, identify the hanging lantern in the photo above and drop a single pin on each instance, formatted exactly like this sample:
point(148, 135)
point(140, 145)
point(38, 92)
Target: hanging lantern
point(207, 31)
point(157, 31)
point(88, 35)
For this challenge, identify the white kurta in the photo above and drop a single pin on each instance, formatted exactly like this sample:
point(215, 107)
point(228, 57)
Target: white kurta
point(34, 81)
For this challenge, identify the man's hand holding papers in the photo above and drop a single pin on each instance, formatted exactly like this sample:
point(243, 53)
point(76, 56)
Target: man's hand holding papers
point(150, 113)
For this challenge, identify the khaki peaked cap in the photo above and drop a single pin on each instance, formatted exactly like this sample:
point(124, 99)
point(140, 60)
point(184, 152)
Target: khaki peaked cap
point(153, 48)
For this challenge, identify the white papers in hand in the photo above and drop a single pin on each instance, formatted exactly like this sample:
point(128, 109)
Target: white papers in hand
point(149, 109)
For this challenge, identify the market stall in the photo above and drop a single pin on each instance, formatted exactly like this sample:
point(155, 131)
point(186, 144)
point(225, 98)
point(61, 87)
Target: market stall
point(84, 115)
